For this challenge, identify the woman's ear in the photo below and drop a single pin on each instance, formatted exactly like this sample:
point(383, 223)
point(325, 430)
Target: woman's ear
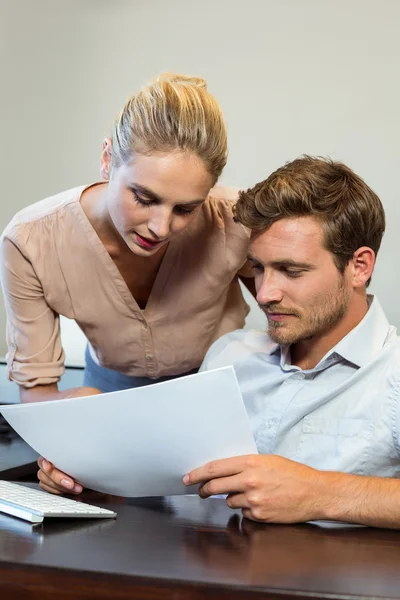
point(363, 263)
point(105, 160)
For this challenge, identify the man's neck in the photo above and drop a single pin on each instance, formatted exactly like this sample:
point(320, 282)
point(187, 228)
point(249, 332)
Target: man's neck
point(308, 353)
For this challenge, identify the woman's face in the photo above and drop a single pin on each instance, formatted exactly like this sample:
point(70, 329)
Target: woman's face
point(154, 197)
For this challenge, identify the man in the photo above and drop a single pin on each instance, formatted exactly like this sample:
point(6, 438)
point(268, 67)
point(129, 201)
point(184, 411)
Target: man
point(322, 386)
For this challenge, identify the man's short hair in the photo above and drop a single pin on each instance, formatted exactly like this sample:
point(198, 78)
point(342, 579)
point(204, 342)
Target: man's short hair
point(351, 214)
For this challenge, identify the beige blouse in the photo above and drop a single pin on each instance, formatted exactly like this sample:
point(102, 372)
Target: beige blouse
point(53, 263)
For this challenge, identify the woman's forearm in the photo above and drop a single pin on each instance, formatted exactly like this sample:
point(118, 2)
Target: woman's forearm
point(40, 393)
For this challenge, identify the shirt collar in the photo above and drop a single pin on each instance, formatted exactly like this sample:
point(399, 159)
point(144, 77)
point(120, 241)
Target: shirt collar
point(363, 342)
point(272, 347)
point(358, 346)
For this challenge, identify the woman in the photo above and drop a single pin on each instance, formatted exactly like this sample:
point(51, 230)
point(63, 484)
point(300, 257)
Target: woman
point(146, 262)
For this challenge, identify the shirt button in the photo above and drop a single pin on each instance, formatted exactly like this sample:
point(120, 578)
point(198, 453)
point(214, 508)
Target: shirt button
point(149, 357)
point(145, 326)
point(298, 376)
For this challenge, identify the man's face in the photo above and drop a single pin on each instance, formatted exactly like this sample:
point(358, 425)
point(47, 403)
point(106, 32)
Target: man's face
point(299, 287)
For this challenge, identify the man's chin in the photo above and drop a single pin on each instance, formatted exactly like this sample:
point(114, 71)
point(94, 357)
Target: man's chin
point(282, 337)
point(287, 338)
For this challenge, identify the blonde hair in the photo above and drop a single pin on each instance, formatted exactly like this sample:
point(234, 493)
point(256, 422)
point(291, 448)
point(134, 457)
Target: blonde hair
point(173, 112)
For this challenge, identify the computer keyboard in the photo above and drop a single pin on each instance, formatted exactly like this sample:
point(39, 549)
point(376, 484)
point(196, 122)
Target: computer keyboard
point(34, 505)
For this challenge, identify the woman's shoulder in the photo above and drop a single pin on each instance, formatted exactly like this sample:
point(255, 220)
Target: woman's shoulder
point(43, 210)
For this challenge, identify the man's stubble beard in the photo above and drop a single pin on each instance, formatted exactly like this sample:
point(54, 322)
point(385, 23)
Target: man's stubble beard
point(325, 313)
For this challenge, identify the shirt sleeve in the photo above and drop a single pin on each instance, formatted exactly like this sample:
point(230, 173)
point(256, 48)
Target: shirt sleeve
point(35, 355)
point(394, 391)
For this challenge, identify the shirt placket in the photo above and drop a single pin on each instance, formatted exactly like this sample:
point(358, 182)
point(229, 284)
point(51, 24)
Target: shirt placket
point(268, 432)
point(149, 356)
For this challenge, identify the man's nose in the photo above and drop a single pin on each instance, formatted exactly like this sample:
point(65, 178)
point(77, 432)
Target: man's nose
point(268, 290)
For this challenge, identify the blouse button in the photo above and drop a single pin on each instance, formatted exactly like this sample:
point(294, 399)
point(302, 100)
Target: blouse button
point(149, 357)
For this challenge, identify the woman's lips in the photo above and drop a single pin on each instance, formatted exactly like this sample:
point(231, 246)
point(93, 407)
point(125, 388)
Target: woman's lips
point(146, 243)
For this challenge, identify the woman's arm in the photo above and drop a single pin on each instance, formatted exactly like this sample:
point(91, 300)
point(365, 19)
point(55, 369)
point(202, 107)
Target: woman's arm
point(40, 393)
point(35, 358)
point(51, 479)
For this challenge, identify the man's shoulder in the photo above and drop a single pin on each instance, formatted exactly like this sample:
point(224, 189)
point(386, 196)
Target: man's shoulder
point(391, 350)
point(237, 346)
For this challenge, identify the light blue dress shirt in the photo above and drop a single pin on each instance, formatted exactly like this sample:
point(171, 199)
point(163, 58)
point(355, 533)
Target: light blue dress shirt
point(343, 415)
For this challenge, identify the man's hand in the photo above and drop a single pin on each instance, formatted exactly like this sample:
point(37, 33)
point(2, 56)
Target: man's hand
point(267, 488)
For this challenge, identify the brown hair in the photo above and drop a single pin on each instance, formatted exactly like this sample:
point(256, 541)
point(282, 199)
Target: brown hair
point(352, 215)
point(173, 112)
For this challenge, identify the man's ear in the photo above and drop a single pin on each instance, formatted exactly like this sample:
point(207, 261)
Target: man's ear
point(362, 265)
point(105, 160)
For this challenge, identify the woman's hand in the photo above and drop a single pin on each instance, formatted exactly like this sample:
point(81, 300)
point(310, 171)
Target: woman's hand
point(51, 479)
point(55, 481)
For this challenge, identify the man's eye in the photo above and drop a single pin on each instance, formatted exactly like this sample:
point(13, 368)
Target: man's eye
point(257, 268)
point(293, 273)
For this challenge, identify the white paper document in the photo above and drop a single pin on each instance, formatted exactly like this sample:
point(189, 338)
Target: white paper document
point(140, 442)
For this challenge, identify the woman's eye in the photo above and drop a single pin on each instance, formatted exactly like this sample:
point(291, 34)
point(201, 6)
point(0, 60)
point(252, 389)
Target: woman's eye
point(141, 201)
point(180, 210)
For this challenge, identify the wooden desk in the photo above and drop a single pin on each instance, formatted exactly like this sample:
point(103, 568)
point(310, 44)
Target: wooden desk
point(186, 548)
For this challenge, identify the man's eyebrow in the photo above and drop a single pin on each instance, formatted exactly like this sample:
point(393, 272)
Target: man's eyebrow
point(153, 196)
point(288, 262)
point(253, 259)
point(284, 262)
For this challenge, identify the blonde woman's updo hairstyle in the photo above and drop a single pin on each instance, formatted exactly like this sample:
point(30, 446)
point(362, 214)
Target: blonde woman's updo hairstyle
point(173, 112)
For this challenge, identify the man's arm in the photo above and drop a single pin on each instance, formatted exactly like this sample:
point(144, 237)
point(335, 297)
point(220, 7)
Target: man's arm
point(273, 489)
point(373, 501)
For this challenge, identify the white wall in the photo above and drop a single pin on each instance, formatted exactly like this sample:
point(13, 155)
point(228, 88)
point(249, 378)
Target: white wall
point(293, 77)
